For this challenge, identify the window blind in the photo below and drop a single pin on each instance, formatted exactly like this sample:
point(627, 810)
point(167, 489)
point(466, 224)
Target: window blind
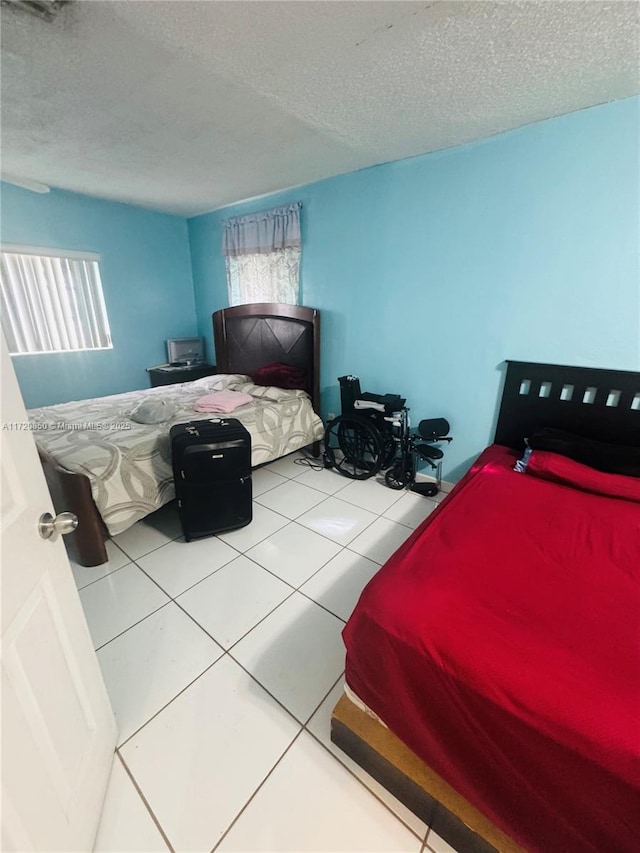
point(52, 303)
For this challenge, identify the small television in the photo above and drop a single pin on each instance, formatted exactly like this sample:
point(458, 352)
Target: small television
point(185, 351)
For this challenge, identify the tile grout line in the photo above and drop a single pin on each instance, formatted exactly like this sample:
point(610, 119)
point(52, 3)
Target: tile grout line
point(266, 690)
point(322, 701)
point(323, 606)
point(306, 728)
point(137, 622)
point(197, 678)
point(235, 643)
point(365, 786)
point(152, 550)
point(296, 479)
point(173, 597)
point(144, 800)
point(293, 590)
point(379, 514)
point(108, 574)
point(271, 572)
point(173, 698)
point(248, 802)
point(115, 544)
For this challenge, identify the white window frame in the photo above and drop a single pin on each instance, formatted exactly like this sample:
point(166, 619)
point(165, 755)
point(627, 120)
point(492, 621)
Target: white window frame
point(100, 305)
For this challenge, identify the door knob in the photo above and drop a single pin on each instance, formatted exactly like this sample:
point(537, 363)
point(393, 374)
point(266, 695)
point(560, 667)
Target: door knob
point(50, 527)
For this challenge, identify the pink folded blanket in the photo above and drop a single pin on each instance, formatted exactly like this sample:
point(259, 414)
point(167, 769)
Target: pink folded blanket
point(222, 401)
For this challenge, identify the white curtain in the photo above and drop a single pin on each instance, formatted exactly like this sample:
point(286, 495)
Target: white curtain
point(262, 255)
point(52, 304)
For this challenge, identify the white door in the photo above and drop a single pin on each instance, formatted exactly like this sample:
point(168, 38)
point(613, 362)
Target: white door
point(58, 730)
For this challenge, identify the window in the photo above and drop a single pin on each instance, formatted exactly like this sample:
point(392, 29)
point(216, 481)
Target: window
point(262, 255)
point(52, 302)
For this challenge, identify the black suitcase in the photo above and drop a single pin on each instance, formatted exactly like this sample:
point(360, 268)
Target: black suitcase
point(212, 473)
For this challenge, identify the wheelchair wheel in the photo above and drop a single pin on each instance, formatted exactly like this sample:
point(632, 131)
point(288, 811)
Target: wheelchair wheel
point(353, 446)
point(400, 476)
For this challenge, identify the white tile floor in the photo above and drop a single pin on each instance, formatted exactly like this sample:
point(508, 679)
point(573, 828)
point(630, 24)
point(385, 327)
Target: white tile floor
point(223, 659)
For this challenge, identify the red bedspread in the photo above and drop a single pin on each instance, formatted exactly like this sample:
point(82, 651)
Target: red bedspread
point(501, 643)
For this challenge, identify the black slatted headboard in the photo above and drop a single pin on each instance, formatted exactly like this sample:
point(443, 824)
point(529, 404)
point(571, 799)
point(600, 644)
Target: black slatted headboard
point(249, 336)
point(595, 403)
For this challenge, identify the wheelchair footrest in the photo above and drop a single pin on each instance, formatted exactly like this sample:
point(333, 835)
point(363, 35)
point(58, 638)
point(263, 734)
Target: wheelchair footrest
point(427, 490)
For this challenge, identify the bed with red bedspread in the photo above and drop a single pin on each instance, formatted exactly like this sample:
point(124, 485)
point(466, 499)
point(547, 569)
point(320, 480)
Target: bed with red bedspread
point(501, 644)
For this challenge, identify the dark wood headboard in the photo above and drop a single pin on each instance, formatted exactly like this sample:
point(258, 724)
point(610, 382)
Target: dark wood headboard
point(589, 401)
point(250, 336)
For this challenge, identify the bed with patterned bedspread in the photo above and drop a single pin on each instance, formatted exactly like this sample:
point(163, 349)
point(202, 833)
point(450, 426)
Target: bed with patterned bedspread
point(129, 464)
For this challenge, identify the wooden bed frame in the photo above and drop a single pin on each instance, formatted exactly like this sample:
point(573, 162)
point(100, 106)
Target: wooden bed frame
point(592, 402)
point(249, 336)
point(246, 337)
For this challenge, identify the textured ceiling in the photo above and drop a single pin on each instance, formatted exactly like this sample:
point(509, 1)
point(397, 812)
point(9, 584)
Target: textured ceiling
point(188, 105)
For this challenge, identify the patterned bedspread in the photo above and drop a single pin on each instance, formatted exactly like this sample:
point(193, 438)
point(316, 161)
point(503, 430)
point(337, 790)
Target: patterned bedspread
point(129, 464)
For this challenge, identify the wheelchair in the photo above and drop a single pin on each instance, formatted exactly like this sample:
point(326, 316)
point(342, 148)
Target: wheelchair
point(373, 433)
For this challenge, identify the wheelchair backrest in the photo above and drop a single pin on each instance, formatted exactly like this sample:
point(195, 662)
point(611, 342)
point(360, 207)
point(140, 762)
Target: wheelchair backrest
point(350, 393)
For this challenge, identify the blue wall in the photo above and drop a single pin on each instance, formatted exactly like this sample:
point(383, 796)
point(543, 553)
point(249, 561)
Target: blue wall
point(146, 275)
point(429, 272)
